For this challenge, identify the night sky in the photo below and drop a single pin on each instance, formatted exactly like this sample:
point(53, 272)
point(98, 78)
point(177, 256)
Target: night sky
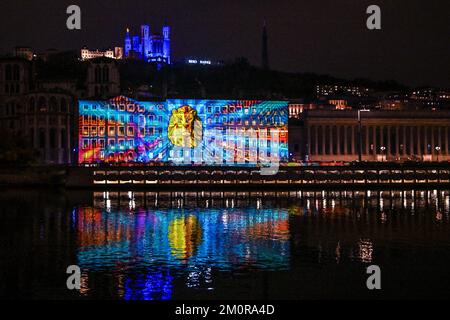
point(322, 36)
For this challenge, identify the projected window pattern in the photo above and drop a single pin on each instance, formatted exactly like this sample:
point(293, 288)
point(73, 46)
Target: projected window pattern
point(183, 131)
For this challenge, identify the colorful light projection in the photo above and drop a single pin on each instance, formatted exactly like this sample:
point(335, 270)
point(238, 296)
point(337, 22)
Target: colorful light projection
point(149, 249)
point(230, 132)
point(173, 238)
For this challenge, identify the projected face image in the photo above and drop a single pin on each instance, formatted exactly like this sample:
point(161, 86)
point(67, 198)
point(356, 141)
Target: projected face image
point(185, 127)
point(213, 132)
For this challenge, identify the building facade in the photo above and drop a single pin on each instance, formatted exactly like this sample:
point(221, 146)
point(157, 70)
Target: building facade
point(183, 131)
point(43, 117)
point(103, 78)
point(378, 136)
point(116, 53)
point(151, 47)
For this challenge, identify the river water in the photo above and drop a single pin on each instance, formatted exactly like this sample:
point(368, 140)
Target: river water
point(206, 245)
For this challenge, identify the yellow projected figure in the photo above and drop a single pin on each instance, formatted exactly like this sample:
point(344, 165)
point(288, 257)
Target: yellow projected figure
point(185, 127)
point(185, 235)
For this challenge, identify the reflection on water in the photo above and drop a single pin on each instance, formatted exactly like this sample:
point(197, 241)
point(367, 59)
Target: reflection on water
point(188, 244)
point(224, 245)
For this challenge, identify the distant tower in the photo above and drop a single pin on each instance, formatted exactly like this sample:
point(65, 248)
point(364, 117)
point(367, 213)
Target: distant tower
point(127, 46)
point(166, 42)
point(137, 46)
point(265, 50)
point(145, 41)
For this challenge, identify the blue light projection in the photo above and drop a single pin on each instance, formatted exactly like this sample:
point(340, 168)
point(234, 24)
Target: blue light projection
point(163, 245)
point(230, 132)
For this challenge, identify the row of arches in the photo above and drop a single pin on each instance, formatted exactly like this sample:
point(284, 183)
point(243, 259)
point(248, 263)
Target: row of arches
point(12, 72)
point(52, 104)
point(101, 74)
point(391, 140)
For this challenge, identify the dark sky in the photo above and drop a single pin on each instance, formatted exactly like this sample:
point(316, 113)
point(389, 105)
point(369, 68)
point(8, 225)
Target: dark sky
point(322, 36)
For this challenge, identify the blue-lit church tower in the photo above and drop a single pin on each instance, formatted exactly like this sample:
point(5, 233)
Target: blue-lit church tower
point(166, 42)
point(127, 46)
point(147, 46)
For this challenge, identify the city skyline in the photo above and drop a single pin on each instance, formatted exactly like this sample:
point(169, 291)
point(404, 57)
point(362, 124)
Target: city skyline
point(322, 38)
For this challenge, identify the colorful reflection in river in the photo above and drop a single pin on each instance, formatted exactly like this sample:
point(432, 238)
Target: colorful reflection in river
point(151, 247)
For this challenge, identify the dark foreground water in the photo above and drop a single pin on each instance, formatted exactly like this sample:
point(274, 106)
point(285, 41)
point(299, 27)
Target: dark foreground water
point(156, 246)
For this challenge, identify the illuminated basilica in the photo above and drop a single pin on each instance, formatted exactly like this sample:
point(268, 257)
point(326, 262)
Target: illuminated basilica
point(151, 47)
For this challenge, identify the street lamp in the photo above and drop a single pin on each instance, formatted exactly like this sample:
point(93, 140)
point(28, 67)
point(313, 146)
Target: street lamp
point(383, 157)
point(438, 149)
point(359, 134)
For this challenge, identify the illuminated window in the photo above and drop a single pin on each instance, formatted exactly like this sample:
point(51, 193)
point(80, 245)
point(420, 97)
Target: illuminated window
point(85, 143)
point(131, 108)
point(85, 131)
point(111, 131)
point(94, 131)
point(130, 131)
point(101, 131)
point(121, 131)
point(121, 107)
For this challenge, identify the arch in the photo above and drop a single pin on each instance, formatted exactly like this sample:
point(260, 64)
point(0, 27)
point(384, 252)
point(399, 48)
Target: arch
point(31, 105)
point(16, 72)
point(63, 105)
point(105, 77)
point(8, 72)
point(42, 103)
point(97, 74)
point(42, 140)
point(53, 104)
